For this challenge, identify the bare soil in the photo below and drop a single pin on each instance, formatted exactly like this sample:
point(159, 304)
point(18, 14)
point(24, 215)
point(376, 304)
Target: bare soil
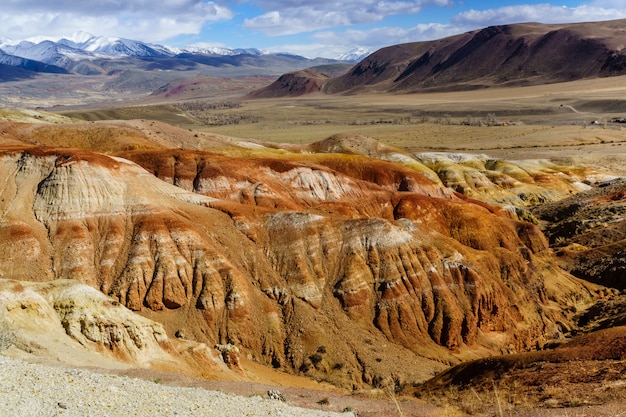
point(365, 404)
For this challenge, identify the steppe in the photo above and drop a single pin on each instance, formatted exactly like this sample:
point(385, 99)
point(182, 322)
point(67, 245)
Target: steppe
point(569, 128)
point(525, 122)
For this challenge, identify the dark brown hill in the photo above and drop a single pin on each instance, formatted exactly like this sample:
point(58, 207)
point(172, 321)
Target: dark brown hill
point(293, 84)
point(310, 80)
point(516, 54)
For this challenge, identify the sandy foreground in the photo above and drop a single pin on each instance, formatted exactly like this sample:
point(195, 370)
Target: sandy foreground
point(34, 390)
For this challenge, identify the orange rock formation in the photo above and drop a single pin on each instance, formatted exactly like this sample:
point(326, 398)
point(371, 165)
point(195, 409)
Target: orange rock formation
point(335, 266)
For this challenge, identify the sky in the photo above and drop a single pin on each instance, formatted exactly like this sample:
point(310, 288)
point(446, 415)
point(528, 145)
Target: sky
point(324, 28)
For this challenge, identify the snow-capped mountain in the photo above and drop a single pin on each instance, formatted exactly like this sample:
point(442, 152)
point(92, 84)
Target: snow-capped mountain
point(216, 50)
point(86, 54)
point(48, 52)
point(27, 64)
point(355, 55)
point(83, 45)
point(12, 60)
point(119, 47)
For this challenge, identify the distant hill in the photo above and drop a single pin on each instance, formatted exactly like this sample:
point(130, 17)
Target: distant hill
point(516, 54)
point(13, 65)
point(310, 80)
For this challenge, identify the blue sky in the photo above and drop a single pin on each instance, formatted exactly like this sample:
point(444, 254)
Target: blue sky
point(311, 28)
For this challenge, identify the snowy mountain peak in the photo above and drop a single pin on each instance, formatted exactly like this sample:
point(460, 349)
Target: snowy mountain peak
point(355, 55)
point(83, 53)
point(208, 50)
point(216, 50)
point(90, 46)
point(101, 44)
point(77, 40)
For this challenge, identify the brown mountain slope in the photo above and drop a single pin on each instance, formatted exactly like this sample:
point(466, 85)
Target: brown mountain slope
point(317, 267)
point(309, 80)
point(585, 375)
point(293, 84)
point(516, 54)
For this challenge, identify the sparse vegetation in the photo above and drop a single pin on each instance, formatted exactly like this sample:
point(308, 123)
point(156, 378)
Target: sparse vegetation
point(316, 358)
point(275, 395)
point(208, 113)
point(324, 401)
point(205, 105)
point(392, 396)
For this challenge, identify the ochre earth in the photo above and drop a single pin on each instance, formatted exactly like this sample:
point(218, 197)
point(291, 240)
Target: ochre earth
point(340, 267)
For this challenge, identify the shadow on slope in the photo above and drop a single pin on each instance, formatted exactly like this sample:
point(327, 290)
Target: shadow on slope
point(586, 371)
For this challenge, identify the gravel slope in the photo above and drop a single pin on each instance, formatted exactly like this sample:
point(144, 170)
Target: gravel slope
point(33, 390)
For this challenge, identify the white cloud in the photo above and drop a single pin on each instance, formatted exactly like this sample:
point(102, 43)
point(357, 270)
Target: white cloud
point(292, 16)
point(543, 13)
point(135, 19)
point(384, 36)
point(310, 50)
point(334, 43)
point(290, 22)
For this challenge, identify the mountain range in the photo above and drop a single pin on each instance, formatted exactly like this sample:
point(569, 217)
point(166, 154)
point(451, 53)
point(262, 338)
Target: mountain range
point(85, 54)
point(515, 54)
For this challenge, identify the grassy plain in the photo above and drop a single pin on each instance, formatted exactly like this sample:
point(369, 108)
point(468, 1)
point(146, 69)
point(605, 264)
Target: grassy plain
point(574, 119)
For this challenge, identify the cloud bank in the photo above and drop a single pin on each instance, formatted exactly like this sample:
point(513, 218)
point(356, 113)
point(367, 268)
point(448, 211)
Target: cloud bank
point(135, 19)
point(290, 17)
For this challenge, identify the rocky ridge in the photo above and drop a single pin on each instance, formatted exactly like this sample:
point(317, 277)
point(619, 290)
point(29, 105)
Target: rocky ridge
point(293, 84)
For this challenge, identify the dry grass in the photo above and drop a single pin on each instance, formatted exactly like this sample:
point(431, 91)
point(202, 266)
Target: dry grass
point(513, 123)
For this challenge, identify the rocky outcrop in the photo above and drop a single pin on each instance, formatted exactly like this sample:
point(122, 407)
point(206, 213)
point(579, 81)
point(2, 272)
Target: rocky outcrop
point(286, 258)
point(588, 232)
point(68, 322)
point(95, 321)
point(513, 185)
